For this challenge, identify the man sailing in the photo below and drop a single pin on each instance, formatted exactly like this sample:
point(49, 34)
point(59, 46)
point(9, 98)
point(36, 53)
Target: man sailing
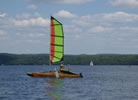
point(65, 71)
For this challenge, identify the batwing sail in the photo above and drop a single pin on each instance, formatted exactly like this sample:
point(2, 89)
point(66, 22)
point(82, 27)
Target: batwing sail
point(57, 41)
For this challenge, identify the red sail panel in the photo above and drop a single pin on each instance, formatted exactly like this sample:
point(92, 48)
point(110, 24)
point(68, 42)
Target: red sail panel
point(52, 40)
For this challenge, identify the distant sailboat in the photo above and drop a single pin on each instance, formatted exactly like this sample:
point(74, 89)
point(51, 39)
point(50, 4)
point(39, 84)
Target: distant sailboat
point(91, 63)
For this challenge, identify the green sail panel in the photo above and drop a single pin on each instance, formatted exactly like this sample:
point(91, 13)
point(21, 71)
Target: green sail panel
point(57, 41)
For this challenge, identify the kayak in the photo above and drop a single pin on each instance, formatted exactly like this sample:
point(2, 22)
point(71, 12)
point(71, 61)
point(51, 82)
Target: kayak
point(53, 74)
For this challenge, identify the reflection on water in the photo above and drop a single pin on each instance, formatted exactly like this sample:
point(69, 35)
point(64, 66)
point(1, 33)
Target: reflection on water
point(100, 83)
point(55, 86)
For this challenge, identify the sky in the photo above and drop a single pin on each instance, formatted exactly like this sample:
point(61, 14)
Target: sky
point(90, 26)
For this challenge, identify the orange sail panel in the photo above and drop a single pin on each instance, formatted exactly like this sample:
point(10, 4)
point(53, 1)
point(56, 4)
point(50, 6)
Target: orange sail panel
point(57, 41)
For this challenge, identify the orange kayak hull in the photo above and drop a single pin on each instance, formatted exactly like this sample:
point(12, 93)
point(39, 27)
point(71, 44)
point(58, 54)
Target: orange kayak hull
point(53, 74)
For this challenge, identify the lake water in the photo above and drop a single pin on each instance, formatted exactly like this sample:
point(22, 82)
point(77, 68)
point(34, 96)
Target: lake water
point(99, 83)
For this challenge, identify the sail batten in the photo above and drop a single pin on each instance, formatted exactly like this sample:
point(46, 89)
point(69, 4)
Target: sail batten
point(57, 35)
point(57, 45)
point(57, 41)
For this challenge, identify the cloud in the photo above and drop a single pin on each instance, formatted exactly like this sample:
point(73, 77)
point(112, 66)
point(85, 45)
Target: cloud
point(39, 35)
point(120, 17)
point(61, 1)
point(32, 6)
point(125, 3)
point(2, 32)
point(32, 41)
point(3, 35)
point(23, 21)
point(106, 19)
point(32, 29)
point(117, 28)
point(27, 15)
point(130, 29)
point(4, 38)
point(23, 26)
point(3, 15)
point(72, 29)
point(76, 1)
point(99, 29)
point(65, 14)
point(83, 20)
point(96, 22)
point(39, 21)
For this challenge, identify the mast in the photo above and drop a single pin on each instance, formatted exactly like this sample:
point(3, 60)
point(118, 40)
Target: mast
point(63, 45)
point(50, 46)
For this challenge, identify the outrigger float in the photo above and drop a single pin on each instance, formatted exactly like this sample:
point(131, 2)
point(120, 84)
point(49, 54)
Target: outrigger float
point(56, 54)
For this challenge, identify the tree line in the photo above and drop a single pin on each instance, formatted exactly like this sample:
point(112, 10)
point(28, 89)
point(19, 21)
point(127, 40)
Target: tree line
point(41, 59)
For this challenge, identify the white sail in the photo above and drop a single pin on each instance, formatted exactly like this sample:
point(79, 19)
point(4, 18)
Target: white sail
point(91, 63)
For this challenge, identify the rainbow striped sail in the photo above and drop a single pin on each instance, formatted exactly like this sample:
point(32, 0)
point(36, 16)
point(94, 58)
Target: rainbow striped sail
point(57, 41)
